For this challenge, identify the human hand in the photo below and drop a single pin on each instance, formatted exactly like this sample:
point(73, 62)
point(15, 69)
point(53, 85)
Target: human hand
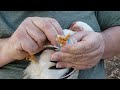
point(31, 36)
point(84, 54)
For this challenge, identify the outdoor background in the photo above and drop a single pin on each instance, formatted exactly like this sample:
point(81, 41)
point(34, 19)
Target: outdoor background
point(112, 66)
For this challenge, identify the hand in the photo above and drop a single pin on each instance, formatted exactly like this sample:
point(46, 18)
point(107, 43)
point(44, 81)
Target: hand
point(84, 54)
point(30, 37)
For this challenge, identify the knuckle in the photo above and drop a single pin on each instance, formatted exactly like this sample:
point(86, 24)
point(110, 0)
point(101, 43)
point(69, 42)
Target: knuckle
point(85, 48)
point(41, 39)
point(34, 49)
point(46, 25)
point(17, 47)
point(75, 57)
point(79, 59)
point(18, 35)
point(41, 44)
point(28, 18)
point(73, 50)
point(51, 19)
point(63, 57)
point(26, 22)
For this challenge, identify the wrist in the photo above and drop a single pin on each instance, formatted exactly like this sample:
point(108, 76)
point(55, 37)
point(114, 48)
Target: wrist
point(102, 44)
point(5, 49)
point(108, 43)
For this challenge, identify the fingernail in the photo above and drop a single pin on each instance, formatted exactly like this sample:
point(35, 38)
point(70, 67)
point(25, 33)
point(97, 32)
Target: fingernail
point(54, 58)
point(58, 65)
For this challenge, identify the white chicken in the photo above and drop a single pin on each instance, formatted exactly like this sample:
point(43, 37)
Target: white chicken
point(45, 69)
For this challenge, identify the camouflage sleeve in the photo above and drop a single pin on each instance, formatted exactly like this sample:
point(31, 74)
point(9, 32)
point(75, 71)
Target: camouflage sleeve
point(107, 19)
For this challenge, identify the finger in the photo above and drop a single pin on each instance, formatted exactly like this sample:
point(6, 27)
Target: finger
point(70, 48)
point(90, 59)
point(49, 30)
point(81, 47)
point(29, 45)
point(84, 61)
point(87, 37)
point(71, 65)
point(65, 57)
point(71, 26)
point(64, 65)
point(37, 35)
point(76, 48)
point(21, 55)
point(60, 56)
point(56, 26)
point(81, 58)
point(79, 35)
point(75, 27)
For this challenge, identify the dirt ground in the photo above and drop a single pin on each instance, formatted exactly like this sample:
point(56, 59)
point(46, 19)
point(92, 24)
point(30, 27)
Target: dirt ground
point(113, 68)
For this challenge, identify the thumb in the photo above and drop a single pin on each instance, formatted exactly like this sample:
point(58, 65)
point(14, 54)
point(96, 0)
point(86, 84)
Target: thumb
point(19, 55)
